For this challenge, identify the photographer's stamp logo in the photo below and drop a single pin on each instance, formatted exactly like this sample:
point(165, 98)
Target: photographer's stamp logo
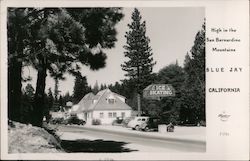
point(224, 116)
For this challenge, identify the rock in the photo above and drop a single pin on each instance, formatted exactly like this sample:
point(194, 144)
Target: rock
point(30, 139)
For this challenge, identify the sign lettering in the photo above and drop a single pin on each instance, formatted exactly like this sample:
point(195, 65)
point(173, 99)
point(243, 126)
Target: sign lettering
point(155, 91)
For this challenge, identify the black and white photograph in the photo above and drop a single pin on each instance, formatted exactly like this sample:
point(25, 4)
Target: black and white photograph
point(106, 80)
point(124, 80)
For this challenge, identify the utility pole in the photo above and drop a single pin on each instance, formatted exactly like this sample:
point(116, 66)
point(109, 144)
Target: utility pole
point(139, 104)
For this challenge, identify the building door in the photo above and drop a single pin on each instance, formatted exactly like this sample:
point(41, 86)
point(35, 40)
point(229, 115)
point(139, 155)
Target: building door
point(123, 114)
point(85, 116)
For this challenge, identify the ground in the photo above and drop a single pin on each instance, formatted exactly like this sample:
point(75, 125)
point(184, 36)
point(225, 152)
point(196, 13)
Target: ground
point(97, 139)
point(116, 139)
point(24, 138)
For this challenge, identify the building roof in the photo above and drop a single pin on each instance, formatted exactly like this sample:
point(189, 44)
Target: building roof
point(86, 102)
point(91, 102)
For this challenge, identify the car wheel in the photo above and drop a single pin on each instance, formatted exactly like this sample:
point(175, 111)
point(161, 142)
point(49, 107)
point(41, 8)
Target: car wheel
point(146, 129)
point(137, 127)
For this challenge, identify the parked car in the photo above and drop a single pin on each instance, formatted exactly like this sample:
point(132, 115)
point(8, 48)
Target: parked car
point(136, 123)
point(74, 120)
point(56, 120)
point(151, 124)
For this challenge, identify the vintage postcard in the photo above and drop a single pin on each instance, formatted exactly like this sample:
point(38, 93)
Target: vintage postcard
point(124, 80)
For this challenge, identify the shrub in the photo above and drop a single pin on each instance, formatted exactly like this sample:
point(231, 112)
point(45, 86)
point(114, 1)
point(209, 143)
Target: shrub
point(117, 121)
point(96, 122)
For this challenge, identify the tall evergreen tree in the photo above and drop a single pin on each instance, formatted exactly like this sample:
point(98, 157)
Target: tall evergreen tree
point(17, 32)
point(50, 99)
point(194, 87)
point(80, 88)
point(55, 40)
point(140, 61)
point(170, 106)
point(103, 86)
point(95, 88)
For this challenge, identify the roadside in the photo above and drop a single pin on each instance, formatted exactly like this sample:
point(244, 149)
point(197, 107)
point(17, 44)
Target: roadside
point(106, 138)
point(83, 142)
point(181, 133)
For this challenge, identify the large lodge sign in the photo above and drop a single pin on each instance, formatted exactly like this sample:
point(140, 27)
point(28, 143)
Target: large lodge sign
point(156, 91)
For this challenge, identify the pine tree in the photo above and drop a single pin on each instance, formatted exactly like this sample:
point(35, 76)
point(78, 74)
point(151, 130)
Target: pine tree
point(95, 88)
point(170, 107)
point(80, 88)
point(55, 40)
point(140, 61)
point(50, 99)
point(194, 87)
point(101, 87)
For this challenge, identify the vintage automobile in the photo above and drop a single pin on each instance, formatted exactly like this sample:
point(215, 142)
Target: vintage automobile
point(151, 124)
point(118, 121)
point(56, 120)
point(136, 122)
point(74, 120)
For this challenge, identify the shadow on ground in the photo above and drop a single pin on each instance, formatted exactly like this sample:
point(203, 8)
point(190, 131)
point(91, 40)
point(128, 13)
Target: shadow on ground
point(95, 146)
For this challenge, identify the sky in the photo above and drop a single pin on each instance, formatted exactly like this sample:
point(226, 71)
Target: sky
point(171, 31)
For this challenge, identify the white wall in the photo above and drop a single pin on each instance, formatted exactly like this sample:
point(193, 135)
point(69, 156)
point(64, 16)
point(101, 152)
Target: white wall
point(108, 120)
point(58, 114)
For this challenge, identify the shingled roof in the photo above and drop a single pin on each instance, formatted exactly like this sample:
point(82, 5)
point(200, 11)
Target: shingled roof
point(86, 102)
point(91, 102)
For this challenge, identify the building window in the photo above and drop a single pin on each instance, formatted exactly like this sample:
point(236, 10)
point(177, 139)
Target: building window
point(114, 114)
point(123, 114)
point(101, 115)
point(94, 101)
point(111, 101)
point(110, 114)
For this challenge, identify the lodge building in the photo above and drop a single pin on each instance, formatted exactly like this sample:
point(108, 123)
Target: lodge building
point(105, 106)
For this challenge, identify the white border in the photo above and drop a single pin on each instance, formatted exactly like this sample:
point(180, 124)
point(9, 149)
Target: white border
point(217, 13)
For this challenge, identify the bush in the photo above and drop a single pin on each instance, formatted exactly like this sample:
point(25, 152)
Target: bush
point(96, 122)
point(117, 121)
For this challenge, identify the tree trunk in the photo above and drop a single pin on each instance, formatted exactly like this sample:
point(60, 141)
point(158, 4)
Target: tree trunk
point(15, 52)
point(38, 106)
point(138, 93)
point(139, 104)
point(14, 89)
